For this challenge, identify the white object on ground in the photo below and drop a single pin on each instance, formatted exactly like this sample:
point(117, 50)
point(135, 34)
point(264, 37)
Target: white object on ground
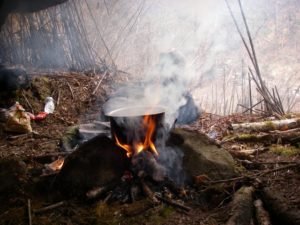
point(49, 105)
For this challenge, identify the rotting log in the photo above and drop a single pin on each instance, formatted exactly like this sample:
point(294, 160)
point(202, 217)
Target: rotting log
point(280, 208)
point(262, 216)
point(242, 207)
point(267, 125)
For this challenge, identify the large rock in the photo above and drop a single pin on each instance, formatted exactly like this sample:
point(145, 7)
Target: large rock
point(201, 156)
point(97, 162)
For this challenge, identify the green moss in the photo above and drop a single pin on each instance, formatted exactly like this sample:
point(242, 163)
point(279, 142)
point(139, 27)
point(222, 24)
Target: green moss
point(41, 87)
point(166, 212)
point(269, 125)
point(285, 150)
point(246, 137)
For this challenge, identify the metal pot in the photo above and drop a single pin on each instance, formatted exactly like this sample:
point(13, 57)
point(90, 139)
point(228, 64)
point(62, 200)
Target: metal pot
point(127, 124)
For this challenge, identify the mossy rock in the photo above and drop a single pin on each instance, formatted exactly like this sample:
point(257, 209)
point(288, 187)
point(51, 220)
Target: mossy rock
point(201, 156)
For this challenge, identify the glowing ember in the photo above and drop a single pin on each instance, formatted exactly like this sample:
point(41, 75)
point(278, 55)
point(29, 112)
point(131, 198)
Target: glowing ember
point(147, 144)
point(56, 165)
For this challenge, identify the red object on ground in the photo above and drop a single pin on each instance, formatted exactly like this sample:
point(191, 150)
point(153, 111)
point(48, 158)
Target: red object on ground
point(40, 116)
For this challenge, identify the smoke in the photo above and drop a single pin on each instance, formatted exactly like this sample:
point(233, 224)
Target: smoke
point(165, 85)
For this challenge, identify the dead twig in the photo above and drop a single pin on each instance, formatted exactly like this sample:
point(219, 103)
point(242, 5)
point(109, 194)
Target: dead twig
point(70, 88)
point(253, 177)
point(27, 102)
point(172, 202)
point(29, 212)
point(100, 81)
point(47, 208)
point(58, 97)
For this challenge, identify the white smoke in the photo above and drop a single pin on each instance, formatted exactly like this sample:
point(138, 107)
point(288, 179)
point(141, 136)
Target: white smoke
point(166, 85)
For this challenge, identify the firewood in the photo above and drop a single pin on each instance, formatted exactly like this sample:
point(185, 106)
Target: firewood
point(172, 203)
point(148, 192)
point(47, 208)
point(242, 207)
point(262, 216)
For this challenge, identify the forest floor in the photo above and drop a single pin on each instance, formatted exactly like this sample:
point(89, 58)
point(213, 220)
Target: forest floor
point(78, 101)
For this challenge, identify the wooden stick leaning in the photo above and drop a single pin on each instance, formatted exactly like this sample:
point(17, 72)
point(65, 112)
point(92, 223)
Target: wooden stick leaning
point(47, 208)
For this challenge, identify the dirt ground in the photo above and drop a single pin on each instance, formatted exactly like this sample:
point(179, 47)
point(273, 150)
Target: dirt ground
point(21, 166)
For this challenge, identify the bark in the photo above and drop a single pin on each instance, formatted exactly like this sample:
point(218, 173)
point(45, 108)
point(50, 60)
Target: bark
point(262, 216)
point(242, 207)
point(267, 125)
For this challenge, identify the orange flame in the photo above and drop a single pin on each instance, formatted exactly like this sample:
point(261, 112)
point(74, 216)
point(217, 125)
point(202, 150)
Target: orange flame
point(56, 165)
point(147, 144)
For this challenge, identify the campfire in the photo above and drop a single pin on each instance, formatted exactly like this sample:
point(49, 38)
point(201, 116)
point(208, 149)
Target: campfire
point(135, 129)
point(149, 125)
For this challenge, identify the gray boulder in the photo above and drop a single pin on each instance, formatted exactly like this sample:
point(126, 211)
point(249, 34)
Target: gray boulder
point(201, 156)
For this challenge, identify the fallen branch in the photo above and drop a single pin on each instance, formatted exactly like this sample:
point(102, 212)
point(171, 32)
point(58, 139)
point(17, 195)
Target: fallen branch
point(50, 207)
point(268, 125)
point(254, 176)
point(172, 203)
